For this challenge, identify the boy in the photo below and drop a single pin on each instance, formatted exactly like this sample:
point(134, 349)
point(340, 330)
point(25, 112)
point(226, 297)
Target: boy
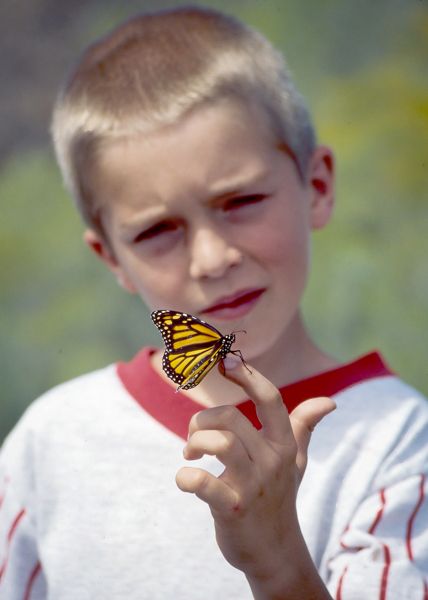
point(193, 162)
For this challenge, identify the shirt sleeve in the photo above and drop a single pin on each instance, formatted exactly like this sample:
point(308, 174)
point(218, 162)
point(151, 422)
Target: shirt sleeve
point(382, 553)
point(21, 574)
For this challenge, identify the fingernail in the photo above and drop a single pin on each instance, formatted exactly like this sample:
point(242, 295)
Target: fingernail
point(230, 362)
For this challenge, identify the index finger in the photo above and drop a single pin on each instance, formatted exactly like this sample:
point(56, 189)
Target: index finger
point(270, 407)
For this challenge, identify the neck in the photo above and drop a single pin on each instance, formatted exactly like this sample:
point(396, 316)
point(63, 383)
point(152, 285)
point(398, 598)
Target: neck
point(295, 356)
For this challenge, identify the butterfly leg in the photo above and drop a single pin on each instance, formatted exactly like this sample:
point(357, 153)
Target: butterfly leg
point(239, 353)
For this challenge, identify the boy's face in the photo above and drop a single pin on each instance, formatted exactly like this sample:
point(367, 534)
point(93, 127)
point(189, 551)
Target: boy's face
point(208, 216)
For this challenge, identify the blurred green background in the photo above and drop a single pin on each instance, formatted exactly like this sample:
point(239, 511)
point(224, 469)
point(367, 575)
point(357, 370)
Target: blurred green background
point(363, 67)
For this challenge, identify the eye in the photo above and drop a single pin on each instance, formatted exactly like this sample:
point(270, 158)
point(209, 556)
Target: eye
point(155, 231)
point(242, 201)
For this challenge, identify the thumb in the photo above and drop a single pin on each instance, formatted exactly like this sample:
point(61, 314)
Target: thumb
point(303, 420)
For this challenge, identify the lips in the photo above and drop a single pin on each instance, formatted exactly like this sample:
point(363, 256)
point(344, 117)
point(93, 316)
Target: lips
point(235, 305)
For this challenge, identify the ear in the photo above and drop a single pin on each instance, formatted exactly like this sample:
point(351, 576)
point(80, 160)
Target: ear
point(321, 183)
point(102, 250)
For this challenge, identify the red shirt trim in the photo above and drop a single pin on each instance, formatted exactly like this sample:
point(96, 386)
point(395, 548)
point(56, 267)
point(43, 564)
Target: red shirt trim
point(174, 409)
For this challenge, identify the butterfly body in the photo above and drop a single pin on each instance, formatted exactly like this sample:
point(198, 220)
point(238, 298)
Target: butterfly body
point(192, 347)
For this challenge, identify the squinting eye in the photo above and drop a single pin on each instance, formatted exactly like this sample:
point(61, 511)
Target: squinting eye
point(155, 231)
point(241, 201)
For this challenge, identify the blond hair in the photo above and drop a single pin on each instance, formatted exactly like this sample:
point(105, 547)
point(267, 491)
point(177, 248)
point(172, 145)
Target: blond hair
point(155, 68)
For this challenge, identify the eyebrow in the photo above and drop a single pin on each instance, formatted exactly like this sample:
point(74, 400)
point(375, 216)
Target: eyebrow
point(236, 187)
point(145, 218)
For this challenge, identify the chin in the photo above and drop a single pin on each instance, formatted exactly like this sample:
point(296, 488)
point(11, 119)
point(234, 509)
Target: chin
point(253, 345)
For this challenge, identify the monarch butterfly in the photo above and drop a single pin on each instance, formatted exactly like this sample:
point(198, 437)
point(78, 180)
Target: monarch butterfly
point(193, 347)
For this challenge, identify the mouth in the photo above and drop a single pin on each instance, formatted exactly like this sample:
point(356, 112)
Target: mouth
point(234, 306)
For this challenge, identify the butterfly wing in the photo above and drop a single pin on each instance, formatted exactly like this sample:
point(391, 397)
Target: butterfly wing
point(193, 347)
point(195, 370)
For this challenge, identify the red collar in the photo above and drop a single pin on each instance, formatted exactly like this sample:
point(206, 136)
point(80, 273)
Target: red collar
point(174, 409)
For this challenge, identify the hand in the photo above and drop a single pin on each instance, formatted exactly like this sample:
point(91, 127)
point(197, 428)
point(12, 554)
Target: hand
point(253, 501)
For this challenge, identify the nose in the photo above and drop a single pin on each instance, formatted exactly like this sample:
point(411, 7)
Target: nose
point(211, 255)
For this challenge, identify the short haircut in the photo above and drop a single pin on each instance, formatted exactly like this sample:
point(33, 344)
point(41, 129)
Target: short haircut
point(151, 71)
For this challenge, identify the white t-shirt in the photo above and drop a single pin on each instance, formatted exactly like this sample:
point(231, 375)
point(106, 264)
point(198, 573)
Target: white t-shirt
point(90, 509)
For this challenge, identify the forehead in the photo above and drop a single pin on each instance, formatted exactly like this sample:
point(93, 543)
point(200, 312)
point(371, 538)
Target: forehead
point(213, 148)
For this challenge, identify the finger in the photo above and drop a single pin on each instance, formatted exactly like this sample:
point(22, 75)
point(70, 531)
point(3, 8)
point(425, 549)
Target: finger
point(270, 407)
point(210, 489)
point(227, 447)
point(303, 420)
point(229, 418)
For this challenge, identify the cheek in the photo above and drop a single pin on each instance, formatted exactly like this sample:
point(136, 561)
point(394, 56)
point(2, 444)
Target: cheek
point(156, 283)
point(158, 288)
point(285, 246)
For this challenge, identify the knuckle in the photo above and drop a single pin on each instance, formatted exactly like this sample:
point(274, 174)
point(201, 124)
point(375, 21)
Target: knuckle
point(213, 417)
point(194, 421)
point(227, 442)
point(201, 481)
point(194, 440)
point(273, 397)
point(229, 414)
point(239, 508)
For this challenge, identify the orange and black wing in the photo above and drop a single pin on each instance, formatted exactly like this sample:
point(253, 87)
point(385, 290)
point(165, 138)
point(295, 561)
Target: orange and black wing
point(193, 347)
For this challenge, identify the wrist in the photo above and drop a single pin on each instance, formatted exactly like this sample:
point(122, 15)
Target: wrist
point(292, 577)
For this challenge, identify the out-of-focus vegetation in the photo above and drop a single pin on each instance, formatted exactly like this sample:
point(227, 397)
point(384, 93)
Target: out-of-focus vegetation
point(363, 66)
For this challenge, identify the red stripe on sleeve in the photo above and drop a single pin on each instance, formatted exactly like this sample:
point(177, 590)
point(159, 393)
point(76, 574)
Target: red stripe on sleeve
point(340, 584)
point(387, 554)
point(372, 527)
point(412, 518)
point(383, 581)
point(10, 535)
point(425, 590)
point(15, 525)
point(379, 513)
point(385, 572)
point(31, 581)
